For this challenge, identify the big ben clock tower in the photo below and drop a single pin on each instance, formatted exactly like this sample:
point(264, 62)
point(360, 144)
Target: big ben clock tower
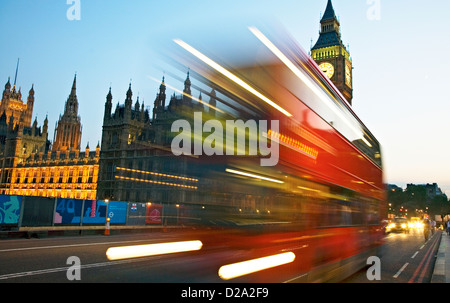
point(331, 55)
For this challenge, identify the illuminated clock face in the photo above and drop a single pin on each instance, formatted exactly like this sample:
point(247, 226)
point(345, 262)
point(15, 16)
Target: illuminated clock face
point(348, 75)
point(328, 69)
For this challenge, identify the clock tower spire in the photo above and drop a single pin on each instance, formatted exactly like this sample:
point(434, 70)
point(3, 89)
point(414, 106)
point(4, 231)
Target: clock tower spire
point(332, 56)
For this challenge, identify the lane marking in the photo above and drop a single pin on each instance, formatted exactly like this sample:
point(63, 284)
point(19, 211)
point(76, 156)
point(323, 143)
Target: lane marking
point(425, 268)
point(401, 270)
point(427, 256)
point(70, 245)
point(293, 279)
point(61, 269)
point(415, 254)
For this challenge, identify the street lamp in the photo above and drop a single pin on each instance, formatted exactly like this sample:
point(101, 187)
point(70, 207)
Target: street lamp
point(107, 219)
point(107, 208)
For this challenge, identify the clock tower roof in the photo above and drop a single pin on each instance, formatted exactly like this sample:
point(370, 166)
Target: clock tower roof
point(330, 34)
point(327, 40)
point(329, 12)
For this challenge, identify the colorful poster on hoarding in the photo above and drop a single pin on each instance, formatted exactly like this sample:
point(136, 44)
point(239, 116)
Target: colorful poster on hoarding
point(68, 211)
point(136, 213)
point(154, 214)
point(117, 211)
point(133, 207)
point(94, 211)
point(10, 209)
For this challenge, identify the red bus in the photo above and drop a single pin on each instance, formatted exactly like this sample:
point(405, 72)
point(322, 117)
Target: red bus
point(323, 200)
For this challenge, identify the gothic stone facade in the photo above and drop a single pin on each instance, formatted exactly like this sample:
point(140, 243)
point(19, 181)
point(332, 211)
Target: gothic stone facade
point(30, 166)
point(136, 161)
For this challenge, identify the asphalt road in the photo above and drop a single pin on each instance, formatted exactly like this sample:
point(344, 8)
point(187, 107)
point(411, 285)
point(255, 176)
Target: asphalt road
point(84, 259)
point(56, 260)
point(405, 258)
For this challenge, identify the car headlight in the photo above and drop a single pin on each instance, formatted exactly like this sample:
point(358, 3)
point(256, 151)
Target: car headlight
point(403, 225)
point(392, 225)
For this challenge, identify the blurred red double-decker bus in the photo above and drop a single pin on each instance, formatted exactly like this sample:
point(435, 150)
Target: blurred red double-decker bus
point(321, 199)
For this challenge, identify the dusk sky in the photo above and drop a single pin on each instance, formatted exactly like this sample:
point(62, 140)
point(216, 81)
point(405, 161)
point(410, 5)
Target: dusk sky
point(400, 74)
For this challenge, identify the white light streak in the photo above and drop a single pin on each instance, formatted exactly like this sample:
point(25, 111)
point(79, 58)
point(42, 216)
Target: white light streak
point(237, 172)
point(136, 251)
point(235, 270)
point(229, 75)
point(189, 96)
point(304, 79)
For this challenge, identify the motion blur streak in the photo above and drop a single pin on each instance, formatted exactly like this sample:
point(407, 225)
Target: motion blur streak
point(305, 79)
point(189, 96)
point(229, 75)
point(237, 172)
point(235, 270)
point(136, 251)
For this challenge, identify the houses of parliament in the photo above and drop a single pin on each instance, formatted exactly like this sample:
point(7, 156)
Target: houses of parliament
point(30, 164)
point(133, 162)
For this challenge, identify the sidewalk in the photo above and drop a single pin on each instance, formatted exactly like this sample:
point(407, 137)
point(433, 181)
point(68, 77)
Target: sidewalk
point(441, 272)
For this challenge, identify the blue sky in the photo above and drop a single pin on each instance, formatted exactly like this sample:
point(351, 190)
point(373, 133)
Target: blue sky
point(400, 78)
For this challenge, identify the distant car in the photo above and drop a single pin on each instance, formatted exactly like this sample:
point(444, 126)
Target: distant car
point(398, 225)
point(384, 225)
point(415, 223)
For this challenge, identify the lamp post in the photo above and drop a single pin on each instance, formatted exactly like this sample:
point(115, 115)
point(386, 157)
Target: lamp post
point(107, 225)
point(107, 207)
